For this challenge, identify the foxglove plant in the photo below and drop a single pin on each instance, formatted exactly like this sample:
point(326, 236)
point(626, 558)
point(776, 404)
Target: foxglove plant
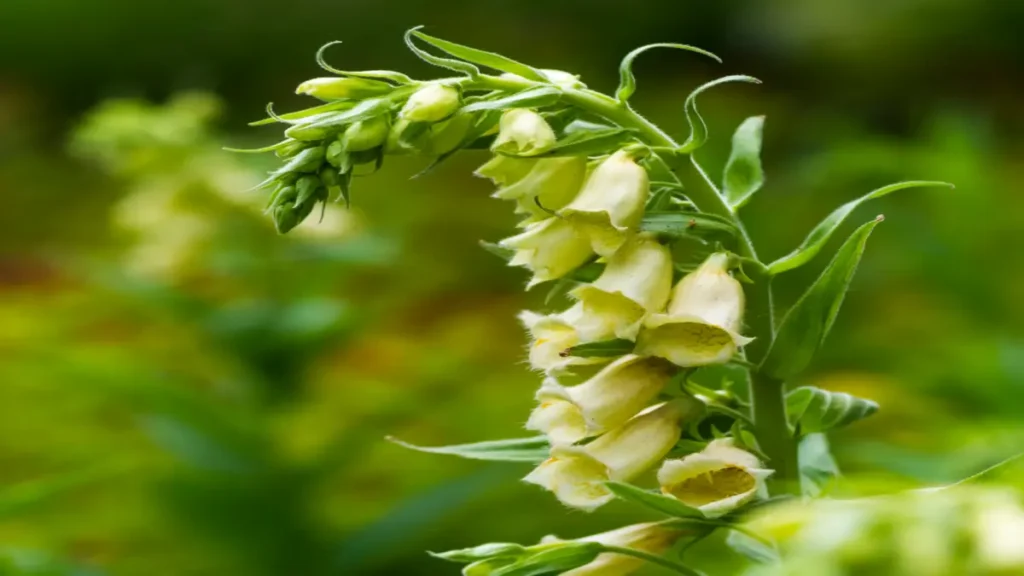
point(663, 279)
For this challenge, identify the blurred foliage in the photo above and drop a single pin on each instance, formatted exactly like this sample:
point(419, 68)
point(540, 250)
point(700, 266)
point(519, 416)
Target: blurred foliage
point(186, 392)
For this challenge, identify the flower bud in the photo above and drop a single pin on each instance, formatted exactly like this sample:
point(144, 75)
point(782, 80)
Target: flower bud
point(576, 474)
point(291, 148)
point(523, 132)
point(605, 401)
point(550, 249)
point(611, 204)
point(653, 538)
point(446, 135)
point(636, 282)
point(715, 480)
point(366, 134)
point(330, 89)
point(557, 77)
point(549, 185)
point(703, 320)
point(432, 103)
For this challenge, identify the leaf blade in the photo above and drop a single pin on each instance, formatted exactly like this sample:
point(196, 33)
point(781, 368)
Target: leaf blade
point(602, 349)
point(530, 98)
point(534, 449)
point(805, 325)
point(743, 172)
point(698, 128)
point(627, 81)
point(483, 57)
point(660, 503)
point(820, 234)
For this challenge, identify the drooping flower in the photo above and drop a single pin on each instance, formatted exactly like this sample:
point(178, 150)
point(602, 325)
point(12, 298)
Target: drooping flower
point(605, 401)
point(366, 134)
point(611, 204)
point(715, 480)
point(523, 132)
point(635, 282)
point(549, 185)
point(550, 249)
point(703, 320)
point(577, 474)
point(432, 103)
point(551, 336)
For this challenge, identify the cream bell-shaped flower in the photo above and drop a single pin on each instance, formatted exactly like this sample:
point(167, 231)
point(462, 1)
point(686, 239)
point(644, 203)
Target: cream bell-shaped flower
point(523, 132)
point(715, 480)
point(703, 319)
point(431, 103)
point(550, 249)
point(605, 401)
point(653, 538)
point(505, 170)
point(636, 282)
point(549, 185)
point(611, 204)
point(552, 335)
point(576, 474)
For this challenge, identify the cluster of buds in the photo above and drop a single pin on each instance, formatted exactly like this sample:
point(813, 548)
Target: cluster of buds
point(619, 423)
point(363, 119)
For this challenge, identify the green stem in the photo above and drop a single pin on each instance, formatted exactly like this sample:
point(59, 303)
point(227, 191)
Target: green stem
point(654, 559)
point(767, 395)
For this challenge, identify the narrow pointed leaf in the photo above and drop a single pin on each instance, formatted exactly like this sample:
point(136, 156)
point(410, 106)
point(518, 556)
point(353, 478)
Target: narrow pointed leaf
point(450, 64)
point(823, 231)
point(389, 75)
point(813, 410)
point(743, 172)
point(627, 81)
point(483, 58)
point(530, 98)
point(307, 113)
point(657, 502)
point(698, 128)
point(805, 325)
point(534, 449)
point(602, 349)
point(752, 548)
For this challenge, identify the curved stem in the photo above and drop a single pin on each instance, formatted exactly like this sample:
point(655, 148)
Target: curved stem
point(653, 559)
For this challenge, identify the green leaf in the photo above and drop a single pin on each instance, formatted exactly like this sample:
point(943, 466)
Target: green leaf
point(529, 98)
point(805, 325)
point(817, 466)
point(587, 143)
point(482, 57)
point(25, 496)
point(657, 502)
point(534, 449)
point(455, 65)
point(743, 172)
point(687, 224)
point(813, 410)
point(752, 548)
point(307, 113)
point(389, 75)
point(698, 128)
point(482, 552)
point(602, 349)
point(627, 82)
point(823, 231)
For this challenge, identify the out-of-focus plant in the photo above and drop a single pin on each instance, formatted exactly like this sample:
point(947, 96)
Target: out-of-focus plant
point(667, 289)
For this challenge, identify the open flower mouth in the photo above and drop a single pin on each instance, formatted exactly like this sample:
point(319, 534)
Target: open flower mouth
point(689, 342)
point(713, 486)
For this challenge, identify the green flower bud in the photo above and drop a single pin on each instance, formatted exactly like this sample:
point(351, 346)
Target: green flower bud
point(366, 134)
point(336, 154)
point(330, 89)
point(308, 160)
point(445, 136)
point(307, 132)
point(432, 103)
point(307, 188)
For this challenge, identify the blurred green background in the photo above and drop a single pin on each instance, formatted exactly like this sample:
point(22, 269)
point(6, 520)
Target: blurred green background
point(184, 392)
